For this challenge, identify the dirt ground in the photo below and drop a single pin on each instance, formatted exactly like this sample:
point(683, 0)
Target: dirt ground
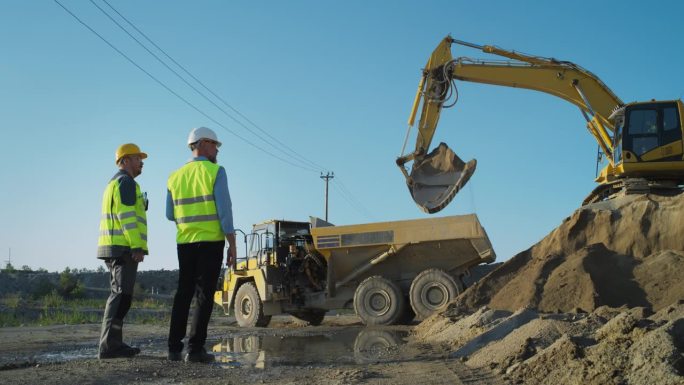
point(340, 351)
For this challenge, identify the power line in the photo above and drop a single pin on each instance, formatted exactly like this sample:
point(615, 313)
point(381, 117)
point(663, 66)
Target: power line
point(351, 200)
point(315, 165)
point(344, 192)
point(176, 94)
point(185, 81)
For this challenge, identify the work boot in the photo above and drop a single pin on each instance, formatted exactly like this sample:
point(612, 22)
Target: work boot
point(124, 351)
point(200, 355)
point(175, 356)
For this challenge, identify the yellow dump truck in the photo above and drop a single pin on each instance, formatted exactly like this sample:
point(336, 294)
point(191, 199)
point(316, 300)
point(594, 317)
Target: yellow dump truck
point(388, 272)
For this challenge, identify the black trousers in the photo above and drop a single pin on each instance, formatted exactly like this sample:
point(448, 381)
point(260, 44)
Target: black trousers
point(122, 272)
point(199, 266)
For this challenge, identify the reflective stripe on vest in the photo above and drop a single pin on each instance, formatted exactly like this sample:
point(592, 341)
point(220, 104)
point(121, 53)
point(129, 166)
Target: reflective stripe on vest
point(194, 208)
point(122, 225)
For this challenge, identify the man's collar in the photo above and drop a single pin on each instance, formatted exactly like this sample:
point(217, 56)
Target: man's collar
point(124, 172)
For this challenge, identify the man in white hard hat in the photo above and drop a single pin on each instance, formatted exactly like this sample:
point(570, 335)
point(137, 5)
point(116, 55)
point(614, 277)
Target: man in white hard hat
point(199, 202)
point(122, 244)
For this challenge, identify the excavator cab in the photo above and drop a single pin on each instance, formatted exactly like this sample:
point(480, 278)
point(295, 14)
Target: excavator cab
point(650, 132)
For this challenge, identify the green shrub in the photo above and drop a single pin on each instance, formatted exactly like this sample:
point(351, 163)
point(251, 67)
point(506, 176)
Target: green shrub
point(9, 320)
point(52, 300)
point(14, 301)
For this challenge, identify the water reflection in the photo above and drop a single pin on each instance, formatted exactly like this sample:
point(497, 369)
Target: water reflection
point(350, 346)
point(353, 345)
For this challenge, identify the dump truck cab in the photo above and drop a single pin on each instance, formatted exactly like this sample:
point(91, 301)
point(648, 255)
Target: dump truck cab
point(268, 244)
point(273, 276)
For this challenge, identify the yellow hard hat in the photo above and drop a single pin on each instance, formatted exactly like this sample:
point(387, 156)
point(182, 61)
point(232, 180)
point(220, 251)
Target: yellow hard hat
point(128, 149)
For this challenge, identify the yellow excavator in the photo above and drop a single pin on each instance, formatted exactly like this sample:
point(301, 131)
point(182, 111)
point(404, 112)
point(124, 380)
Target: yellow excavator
point(642, 141)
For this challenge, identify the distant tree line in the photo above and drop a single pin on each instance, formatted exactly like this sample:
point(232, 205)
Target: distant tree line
point(68, 286)
point(9, 268)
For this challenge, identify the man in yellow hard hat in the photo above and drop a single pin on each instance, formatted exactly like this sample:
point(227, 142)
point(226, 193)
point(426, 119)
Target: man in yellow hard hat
point(199, 202)
point(122, 244)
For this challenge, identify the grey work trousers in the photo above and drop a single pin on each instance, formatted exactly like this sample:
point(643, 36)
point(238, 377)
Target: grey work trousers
point(122, 272)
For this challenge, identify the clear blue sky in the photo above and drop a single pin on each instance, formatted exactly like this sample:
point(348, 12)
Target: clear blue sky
point(332, 80)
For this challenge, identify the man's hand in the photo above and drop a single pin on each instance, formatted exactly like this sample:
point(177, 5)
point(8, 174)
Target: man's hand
point(230, 256)
point(138, 256)
point(232, 250)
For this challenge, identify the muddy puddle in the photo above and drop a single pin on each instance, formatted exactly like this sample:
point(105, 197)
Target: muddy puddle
point(349, 346)
point(259, 349)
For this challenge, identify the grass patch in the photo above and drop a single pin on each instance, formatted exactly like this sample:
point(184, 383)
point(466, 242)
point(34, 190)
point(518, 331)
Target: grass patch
point(9, 319)
point(67, 317)
point(13, 301)
point(53, 309)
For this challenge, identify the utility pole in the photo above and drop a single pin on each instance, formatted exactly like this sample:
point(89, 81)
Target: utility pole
point(328, 175)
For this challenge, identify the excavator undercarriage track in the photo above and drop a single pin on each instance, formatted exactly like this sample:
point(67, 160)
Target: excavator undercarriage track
point(629, 186)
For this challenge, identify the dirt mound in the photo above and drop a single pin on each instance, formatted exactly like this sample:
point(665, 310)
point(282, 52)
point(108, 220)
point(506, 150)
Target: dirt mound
point(627, 349)
point(625, 252)
point(577, 307)
point(607, 346)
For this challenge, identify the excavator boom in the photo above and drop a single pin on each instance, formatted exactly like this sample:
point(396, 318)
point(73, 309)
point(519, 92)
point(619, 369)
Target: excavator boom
point(437, 176)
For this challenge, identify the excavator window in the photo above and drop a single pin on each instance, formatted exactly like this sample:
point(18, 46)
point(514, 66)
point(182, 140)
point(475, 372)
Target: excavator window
point(671, 129)
point(643, 122)
point(649, 126)
point(643, 129)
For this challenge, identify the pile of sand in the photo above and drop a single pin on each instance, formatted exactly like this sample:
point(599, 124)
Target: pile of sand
point(578, 307)
point(625, 252)
point(628, 349)
point(607, 346)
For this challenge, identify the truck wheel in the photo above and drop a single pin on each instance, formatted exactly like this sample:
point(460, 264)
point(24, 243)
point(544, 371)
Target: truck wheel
point(379, 301)
point(432, 290)
point(310, 317)
point(249, 311)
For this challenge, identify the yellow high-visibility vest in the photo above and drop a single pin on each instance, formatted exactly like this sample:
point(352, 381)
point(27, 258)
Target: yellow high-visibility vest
point(122, 225)
point(194, 208)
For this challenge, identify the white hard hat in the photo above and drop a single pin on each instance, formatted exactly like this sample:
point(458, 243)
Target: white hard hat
point(200, 133)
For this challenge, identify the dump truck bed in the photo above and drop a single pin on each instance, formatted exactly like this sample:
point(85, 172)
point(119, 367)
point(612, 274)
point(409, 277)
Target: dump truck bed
point(399, 250)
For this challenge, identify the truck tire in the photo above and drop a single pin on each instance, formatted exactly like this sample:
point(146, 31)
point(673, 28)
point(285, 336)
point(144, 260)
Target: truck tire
point(249, 311)
point(310, 317)
point(432, 290)
point(379, 301)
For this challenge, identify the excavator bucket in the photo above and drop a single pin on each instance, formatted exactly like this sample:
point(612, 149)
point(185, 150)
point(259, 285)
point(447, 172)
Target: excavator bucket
point(437, 177)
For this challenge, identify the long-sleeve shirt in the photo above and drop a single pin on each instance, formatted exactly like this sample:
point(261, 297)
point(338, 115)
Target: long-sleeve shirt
point(224, 206)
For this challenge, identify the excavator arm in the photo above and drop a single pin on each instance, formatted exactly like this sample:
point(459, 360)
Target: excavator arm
point(437, 176)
